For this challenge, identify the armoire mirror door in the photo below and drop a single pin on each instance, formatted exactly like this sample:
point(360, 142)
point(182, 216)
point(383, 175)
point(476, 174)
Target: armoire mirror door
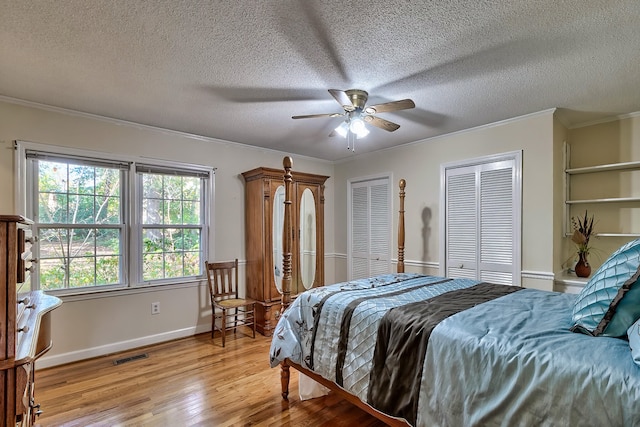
point(307, 239)
point(309, 236)
point(276, 235)
point(272, 260)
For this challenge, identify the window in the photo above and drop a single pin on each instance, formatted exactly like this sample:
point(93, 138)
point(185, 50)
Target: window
point(171, 218)
point(79, 222)
point(103, 223)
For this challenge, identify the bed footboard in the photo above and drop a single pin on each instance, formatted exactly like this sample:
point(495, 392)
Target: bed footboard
point(285, 375)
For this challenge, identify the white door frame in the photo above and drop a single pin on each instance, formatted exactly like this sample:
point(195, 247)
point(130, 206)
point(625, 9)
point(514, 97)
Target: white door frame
point(516, 157)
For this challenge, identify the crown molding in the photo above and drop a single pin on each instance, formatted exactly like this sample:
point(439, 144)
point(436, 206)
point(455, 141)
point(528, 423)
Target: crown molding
point(605, 120)
point(141, 126)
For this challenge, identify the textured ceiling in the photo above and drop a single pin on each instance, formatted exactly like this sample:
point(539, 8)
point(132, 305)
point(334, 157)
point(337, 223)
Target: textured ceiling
point(238, 70)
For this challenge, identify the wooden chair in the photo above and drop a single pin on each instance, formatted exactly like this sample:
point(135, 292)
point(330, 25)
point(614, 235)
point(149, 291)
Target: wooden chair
point(225, 302)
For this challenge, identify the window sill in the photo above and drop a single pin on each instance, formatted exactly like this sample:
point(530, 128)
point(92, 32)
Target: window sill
point(69, 295)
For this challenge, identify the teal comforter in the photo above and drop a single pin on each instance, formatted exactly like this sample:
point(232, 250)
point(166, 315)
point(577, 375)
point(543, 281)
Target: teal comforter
point(511, 361)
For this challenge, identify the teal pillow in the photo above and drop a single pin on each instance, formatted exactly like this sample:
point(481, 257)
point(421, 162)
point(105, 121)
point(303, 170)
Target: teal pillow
point(610, 301)
point(634, 341)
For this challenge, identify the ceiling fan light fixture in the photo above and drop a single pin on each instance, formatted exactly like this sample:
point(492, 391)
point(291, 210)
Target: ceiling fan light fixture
point(358, 127)
point(343, 129)
point(358, 114)
point(362, 133)
point(355, 126)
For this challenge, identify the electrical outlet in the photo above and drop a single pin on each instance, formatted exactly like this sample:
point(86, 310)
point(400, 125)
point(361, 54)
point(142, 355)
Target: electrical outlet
point(155, 308)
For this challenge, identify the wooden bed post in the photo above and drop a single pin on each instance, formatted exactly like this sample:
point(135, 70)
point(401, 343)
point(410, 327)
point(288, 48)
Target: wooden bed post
point(287, 236)
point(400, 267)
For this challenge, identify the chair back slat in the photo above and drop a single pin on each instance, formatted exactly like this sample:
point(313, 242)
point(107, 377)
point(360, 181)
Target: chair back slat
point(223, 279)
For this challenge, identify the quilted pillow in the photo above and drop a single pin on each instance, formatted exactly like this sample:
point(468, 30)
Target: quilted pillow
point(610, 301)
point(634, 341)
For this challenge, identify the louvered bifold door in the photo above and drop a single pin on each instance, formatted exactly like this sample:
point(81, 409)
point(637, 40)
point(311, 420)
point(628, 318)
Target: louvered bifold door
point(359, 258)
point(497, 223)
point(380, 250)
point(482, 222)
point(370, 228)
point(461, 223)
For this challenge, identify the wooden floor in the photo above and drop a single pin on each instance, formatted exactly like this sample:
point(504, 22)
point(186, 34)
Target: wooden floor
point(188, 382)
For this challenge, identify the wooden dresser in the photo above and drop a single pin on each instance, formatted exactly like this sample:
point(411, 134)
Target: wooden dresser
point(25, 323)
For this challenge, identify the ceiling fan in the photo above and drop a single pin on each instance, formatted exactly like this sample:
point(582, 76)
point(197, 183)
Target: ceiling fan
point(357, 113)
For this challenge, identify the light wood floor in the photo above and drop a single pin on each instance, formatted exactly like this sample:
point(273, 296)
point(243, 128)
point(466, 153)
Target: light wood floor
point(188, 382)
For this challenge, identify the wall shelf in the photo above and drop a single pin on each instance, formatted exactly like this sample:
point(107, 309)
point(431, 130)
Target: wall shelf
point(606, 200)
point(632, 202)
point(633, 235)
point(604, 168)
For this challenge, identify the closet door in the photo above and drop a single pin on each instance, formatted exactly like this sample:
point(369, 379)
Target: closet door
point(497, 223)
point(461, 223)
point(369, 228)
point(482, 220)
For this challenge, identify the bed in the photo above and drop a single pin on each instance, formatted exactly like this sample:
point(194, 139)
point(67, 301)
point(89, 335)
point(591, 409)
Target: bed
point(422, 350)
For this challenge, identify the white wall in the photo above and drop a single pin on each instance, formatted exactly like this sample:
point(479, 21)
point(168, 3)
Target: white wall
point(99, 324)
point(419, 164)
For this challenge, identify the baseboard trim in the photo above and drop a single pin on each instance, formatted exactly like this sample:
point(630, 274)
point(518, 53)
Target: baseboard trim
point(419, 264)
point(407, 262)
point(103, 350)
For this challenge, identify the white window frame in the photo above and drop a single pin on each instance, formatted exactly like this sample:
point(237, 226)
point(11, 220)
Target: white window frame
point(131, 272)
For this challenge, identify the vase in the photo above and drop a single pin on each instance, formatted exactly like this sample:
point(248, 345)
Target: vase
point(583, 269)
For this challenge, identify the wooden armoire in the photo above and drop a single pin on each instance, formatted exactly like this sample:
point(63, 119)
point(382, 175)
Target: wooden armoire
point(264, 214)
point(25, 324)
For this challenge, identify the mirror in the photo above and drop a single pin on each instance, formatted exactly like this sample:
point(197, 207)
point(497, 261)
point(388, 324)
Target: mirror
point(278, 225)
point(307, 239)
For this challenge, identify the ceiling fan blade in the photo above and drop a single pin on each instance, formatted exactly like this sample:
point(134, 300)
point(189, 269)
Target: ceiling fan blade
point(403, 104)
point(312, 116)
point(342, 98)
point(381, 123)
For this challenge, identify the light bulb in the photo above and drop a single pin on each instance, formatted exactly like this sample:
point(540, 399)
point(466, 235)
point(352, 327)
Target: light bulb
point(342, 129)
point(362, 132)
point(357, 125)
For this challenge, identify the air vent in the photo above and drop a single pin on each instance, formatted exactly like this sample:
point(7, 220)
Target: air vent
point(130, 359)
